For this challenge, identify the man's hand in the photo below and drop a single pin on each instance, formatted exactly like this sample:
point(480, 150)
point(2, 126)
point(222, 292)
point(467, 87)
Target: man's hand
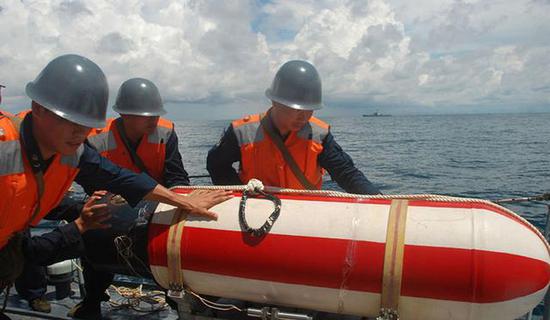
point(93, 215)
point(203, 200)
point(198, 202)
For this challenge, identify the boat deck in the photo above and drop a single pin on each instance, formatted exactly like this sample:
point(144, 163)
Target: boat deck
point(18, 308)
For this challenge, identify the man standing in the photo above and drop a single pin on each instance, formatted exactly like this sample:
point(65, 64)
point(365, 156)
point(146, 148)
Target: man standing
point(139, 140)
point(42, 153)
point(286, 146)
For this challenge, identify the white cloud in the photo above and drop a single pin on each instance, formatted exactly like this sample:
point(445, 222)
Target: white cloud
point(423, 79)
point(439, 54)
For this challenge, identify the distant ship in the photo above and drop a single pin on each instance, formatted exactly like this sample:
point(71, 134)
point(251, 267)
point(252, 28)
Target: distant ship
point(376, 114)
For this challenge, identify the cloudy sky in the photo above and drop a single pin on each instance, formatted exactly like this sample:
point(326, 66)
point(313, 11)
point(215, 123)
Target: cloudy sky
point(215, 58)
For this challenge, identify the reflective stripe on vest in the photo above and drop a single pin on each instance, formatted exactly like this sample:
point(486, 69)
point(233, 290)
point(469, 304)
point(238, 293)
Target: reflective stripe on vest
point(160, 135)
point(249, 133)
point(18, 184)
point(152, 150)
point(11, 161)
point(312, 131)
point(74, 159)
point(104, 141)
point(261, 159)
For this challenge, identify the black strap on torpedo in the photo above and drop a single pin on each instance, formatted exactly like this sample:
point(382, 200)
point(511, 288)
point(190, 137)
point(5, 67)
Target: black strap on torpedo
point(261, 231)
point(135, 158)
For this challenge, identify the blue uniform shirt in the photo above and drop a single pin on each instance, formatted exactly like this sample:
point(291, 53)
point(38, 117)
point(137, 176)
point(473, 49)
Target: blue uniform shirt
point(174, 173)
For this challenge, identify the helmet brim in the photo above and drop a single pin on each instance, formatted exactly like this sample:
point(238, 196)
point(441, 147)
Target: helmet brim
point(160, 112)
point(298, 106)
point(70, 116)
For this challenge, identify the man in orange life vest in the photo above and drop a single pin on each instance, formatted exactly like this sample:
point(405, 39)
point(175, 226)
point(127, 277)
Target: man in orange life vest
point(42, 153)
point(139, 140)
point(259, 142)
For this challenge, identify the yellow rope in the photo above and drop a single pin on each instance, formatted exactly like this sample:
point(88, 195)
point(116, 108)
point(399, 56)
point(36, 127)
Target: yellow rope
point(133, 297)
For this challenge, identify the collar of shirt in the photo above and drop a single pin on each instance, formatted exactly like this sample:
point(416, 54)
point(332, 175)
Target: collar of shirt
point(31, 146)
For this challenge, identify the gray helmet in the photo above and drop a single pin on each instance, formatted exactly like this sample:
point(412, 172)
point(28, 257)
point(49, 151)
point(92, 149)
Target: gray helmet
point(297, 85)
point(74, 88)
point(139, 97)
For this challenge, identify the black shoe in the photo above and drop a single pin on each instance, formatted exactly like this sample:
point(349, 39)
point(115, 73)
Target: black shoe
point(87, 311)
point(3, 316)
point(40, 305)
point(105, 297)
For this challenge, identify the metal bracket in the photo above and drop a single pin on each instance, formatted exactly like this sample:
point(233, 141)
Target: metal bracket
point(179, 297)
point(268, 313)
point(175, 294)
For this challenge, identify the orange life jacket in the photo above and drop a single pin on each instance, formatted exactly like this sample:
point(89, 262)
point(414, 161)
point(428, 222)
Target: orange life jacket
point(261, 159)
point(18, 183)
point(151, 149)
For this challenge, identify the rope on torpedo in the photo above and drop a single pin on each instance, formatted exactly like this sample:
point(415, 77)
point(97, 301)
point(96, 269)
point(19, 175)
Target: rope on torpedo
point(419, 197)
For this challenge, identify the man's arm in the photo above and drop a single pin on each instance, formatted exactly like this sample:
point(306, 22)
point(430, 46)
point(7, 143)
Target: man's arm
point(341, 168)
point(221, 157)
point(174, 172)
point(98, 173)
